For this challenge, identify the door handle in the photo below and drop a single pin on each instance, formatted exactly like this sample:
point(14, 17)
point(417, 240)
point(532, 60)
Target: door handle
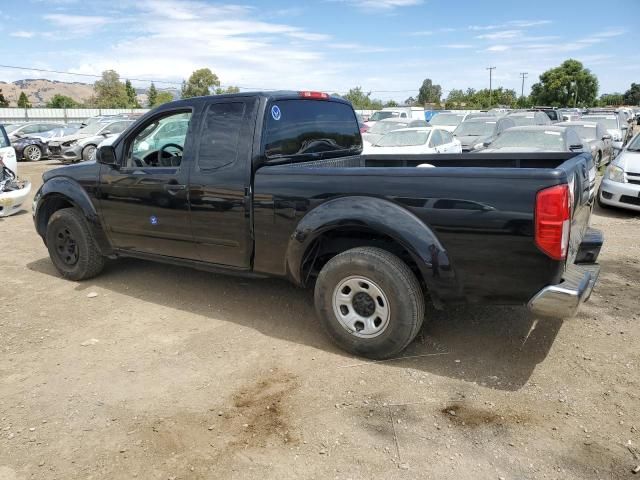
point(174, 187)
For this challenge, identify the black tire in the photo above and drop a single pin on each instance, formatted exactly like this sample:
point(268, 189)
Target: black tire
point(87, 152)
point(598, 160)
point(399, 286)
point(71, 246)
point(32, 153)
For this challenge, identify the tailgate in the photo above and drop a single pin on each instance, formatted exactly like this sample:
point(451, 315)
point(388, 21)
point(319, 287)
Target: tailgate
point(581, 178)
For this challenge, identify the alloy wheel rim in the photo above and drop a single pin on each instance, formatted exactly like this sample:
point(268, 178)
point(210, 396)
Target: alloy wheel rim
point(66, 246)
point(33, 153)
point(361, 307)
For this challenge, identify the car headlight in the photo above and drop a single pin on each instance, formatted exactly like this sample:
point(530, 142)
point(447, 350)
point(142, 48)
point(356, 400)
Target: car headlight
point(615, 174)
point(478, 146)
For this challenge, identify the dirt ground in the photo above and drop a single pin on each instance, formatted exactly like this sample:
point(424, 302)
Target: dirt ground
point(153, 371)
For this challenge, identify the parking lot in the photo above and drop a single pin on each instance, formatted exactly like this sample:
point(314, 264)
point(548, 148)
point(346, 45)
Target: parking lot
point(155, 371)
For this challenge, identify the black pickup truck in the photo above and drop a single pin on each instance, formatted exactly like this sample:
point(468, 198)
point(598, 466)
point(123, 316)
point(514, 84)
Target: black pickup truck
point(273, 184)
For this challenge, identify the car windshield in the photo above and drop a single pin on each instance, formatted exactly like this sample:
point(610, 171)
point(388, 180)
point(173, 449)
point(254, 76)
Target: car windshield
point(11, 128)
point(407, 138)
point(475, 129)
point(384, 127)
point(609, 122)
point(523, 120)
point(634, 145)
point(93, 128)
point(586, 132)
point(377, 116)
point(539, 139)
point(447, 119)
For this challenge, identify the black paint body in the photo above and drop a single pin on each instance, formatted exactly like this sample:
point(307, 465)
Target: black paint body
point(467, 224)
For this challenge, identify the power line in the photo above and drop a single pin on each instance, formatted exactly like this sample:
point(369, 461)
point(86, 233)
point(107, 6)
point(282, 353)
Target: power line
point(167, 82)
point(491, 69)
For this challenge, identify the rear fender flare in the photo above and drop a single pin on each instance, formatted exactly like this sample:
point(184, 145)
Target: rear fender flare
point(384, 217)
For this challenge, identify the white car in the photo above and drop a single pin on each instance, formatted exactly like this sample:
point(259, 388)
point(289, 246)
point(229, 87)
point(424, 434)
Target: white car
point(620, 186)
point(421, 140)
point(615, 126)
point(448, 121)
point(404, 113)
point(12, 193)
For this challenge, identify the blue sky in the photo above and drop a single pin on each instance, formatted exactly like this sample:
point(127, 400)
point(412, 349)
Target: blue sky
point(385, 46)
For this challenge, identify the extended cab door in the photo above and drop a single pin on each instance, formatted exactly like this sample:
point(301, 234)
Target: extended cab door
point(220, 182)
point(144, 202)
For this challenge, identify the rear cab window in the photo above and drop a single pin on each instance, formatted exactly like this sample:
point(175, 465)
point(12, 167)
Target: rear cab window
point(4, 139)
point(310, 129)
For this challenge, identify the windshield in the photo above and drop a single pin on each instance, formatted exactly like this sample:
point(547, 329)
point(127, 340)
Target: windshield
point(523, 120)
point(447, 119)
point(540, 139)
point(403, 139)
point(11, 128)
point(92, 128)
point(634, 145)
point(475, 129)
point(586, 132)
point(384, 127)
point(377, 116)
point(608, 122)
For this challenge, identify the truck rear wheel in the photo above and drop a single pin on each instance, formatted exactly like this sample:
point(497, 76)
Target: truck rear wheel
point(369, 302)
point(71, 246)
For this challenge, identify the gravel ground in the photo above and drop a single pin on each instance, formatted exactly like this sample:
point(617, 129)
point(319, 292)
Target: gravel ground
point(153, 371)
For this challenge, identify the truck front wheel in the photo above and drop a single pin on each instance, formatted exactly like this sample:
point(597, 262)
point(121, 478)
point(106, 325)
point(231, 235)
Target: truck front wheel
point(369, 302)
point(71, 246)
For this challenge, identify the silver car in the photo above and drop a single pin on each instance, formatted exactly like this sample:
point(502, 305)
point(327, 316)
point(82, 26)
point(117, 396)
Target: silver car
point(82, 144)
point(595, 135)
point(620, 186)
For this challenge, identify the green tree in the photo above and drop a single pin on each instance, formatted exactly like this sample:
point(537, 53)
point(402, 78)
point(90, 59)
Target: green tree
point(152, 96)
point(132, 96)
point(110, 91)
point(632, 96)
point(456, 99)
point(391, 103)
point(361, 100)
point(163, 97)
point(3, 101)
point(429, 93)
point(200, 83)
point(410, 102)
point(610, 99)
point(567, 85)
point(222, 91)
point(62, 101)
point(23, 101)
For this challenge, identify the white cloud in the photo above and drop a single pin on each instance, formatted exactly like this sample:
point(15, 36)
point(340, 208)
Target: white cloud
point(505, 34)
point(498, 48)
point(528, 23)
point(421, 33)
point(23, 34)
point(616, 32)
point(457, 45)
point(381, 4)
point(74, 21)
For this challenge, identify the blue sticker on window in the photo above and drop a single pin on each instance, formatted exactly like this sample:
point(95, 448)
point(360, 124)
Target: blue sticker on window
point(275, 112)
point(153, 219)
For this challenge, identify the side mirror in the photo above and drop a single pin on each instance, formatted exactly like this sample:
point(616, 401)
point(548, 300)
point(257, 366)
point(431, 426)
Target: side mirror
point(106, 133)
point(106, 155)
point(606, 137)
point(577, 147)
point(486, 144)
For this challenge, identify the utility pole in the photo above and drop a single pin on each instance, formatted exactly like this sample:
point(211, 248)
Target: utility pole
point(491, 69)
point(523, 75)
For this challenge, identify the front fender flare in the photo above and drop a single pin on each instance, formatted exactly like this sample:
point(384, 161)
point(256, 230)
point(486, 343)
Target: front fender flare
point(69, 190)
point(383, 217)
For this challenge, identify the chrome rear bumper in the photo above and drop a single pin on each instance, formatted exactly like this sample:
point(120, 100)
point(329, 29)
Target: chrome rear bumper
point(562, 300)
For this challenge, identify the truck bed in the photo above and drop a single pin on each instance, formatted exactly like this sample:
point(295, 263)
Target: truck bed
point(480, 207)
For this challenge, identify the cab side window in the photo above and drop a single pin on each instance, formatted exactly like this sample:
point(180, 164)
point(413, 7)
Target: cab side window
point(156, 145)
point(220, 135)
point(436, 139)
point(446, 136)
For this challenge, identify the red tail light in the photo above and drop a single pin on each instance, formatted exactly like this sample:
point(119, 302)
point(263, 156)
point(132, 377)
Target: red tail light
point(314, 95)
point(553, 221)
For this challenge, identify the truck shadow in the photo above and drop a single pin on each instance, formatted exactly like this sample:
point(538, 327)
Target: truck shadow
point(492, 346)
